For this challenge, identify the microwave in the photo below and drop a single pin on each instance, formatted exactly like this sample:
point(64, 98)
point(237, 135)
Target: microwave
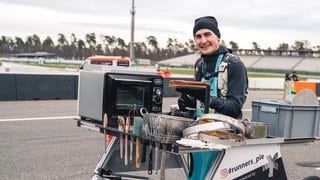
point(117, 93)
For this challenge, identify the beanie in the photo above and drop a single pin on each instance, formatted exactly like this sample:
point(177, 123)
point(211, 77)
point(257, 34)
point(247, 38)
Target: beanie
point(208, 22)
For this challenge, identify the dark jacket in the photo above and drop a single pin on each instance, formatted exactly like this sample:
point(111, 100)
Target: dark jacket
point(237, 83)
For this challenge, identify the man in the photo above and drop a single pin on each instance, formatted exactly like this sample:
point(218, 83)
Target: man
point(227, 76)
point(226, 100)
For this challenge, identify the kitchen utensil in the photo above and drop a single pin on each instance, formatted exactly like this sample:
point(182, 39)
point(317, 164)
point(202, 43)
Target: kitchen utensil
point(127, 128)
point(121, 127)
point(137, 130)
point(105, 123)
point(170, 123)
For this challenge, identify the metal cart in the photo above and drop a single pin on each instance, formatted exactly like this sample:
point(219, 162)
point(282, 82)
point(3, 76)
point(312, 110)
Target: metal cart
point(257, 158)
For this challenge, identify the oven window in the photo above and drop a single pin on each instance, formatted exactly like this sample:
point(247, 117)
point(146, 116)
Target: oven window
point(130, 96)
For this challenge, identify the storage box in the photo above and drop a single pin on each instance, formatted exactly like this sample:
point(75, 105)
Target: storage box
point(288, 121)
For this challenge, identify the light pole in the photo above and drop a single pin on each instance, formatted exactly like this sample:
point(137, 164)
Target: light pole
point(132, 32)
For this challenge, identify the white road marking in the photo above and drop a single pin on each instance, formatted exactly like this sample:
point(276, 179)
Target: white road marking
point(38, 118)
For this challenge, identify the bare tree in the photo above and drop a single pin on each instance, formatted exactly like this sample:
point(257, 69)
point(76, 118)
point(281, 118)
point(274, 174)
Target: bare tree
point(191, 46)
point(81, 49)
point(62, 40)
point(234, 45)
point(256, 48)
point(48, 44)
point(152, 41)
point(91, 41)
point(6, 44)
point(73, 46)
point(19, 45)
point(301, 45)
point(109, 42)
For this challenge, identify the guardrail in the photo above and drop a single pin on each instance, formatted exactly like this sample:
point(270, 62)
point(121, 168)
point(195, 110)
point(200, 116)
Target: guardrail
point(38, 87)
point(41, 60)
point(48, 87)
point(65, 86)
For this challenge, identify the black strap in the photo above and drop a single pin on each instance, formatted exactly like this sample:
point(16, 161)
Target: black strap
point(213, 74)
point(207, 75)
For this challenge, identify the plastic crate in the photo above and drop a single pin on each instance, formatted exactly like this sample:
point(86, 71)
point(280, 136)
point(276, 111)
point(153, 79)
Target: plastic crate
point(287, 121)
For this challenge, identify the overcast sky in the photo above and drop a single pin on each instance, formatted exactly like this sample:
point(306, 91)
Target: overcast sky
point(267, 22)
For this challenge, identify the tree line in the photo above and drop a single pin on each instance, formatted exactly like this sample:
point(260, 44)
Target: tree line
point(77, 48)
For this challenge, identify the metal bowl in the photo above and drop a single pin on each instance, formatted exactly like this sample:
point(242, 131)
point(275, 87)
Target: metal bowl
point(166, 127)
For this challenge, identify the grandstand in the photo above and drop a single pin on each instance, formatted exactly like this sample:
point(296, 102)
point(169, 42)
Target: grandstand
point(249, 60)
point(182, 61)
point(44, 55)
point(309, 64)
point(286, 63)
point(276, 62)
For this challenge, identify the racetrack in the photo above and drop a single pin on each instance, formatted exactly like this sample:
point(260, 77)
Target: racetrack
point(40, 140)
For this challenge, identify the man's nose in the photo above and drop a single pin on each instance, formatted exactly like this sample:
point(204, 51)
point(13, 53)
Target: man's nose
point(203, 39)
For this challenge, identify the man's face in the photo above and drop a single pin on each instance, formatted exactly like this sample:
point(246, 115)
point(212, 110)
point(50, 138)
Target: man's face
point(206, 41)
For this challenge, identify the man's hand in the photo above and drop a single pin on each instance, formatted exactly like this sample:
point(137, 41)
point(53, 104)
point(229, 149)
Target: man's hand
point(185, 101)
point(198, 93)
point(212, 101)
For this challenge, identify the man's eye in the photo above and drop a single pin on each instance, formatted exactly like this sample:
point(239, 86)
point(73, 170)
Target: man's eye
point(207, 34)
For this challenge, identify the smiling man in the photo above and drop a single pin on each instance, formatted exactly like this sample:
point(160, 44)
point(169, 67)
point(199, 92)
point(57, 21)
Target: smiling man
point(224, 71)
point(227, 76)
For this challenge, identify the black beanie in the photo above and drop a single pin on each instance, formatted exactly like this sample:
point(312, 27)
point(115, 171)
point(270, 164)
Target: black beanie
point(208, 22)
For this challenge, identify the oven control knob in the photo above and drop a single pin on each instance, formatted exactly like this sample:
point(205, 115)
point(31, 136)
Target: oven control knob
point(158, 91)
point(157, 99)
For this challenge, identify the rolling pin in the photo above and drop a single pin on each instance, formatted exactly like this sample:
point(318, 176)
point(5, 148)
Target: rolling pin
point(121, 126)
point(105, 123)
point(131, 149)
point(127, 128)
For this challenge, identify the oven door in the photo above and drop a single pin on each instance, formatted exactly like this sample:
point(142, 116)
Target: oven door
point(131, 95)
point(127, 93)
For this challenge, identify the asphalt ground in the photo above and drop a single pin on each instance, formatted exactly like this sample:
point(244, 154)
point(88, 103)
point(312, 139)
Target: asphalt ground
point(40, 140)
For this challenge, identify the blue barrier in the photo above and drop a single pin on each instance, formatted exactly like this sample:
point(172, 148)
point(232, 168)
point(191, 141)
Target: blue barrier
point(38, 87)
point(48, 87)
point(8, 88)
